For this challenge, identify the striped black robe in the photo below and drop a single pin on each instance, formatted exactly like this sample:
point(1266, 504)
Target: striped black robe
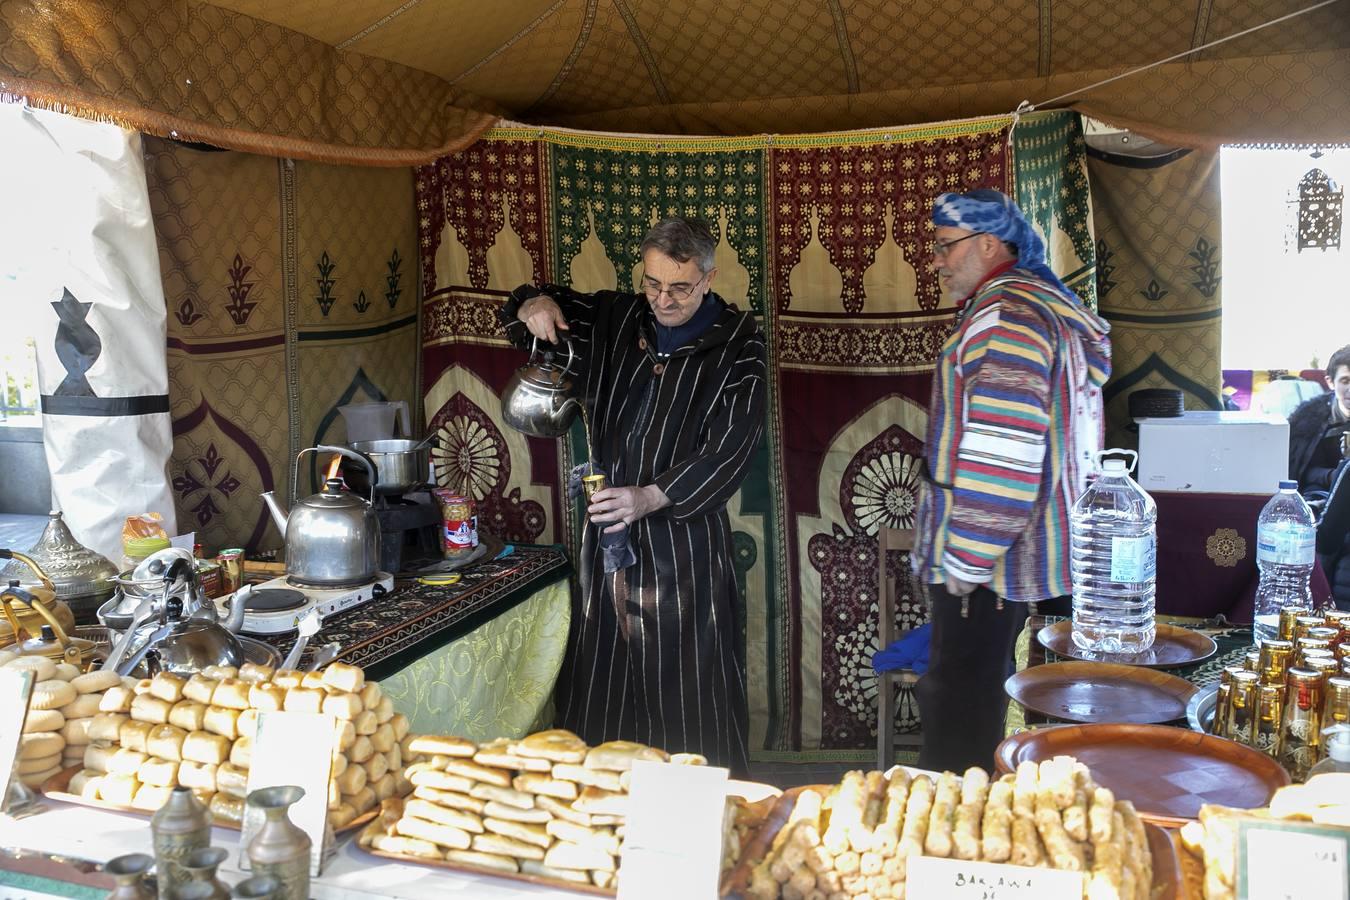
point(655, 652)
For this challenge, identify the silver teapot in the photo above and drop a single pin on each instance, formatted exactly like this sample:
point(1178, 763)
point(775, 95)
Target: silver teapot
point(332, 537)
point(538, 399)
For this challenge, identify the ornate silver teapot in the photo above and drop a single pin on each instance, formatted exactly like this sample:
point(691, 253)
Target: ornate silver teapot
point(538, 399)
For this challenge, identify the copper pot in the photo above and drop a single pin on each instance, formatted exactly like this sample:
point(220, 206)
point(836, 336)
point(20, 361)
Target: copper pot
point(27, 609)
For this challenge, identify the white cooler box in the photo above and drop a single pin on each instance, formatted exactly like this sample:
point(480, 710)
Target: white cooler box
point(1214, 452)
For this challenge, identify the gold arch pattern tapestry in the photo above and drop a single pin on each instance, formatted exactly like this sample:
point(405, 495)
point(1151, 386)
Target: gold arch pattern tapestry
point(827, 238)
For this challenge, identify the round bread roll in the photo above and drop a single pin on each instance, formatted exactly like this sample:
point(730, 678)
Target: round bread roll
point(188, 715)
point(98, 755)
point(133, 734)
point(43, 668)
point(362, 800)
point(372, 694)
point(76, 733)
point(149, 708)
point(266, 696)
point(232, 780)
point(361, 750)
point(96, 682)
point(66, 671)
point(366, 722)
point(126, 762)
point(313, 681)
point(385, 710)
point(342, 705)
point(52, 694)
point(167, 686)
point(343, 677)
point(351, 780)
point(118, 789)
point(83, 706)
point(165, 742)
point(107, 726)
point(204, 747)
point(219, 673)
point(247, 724)
point(231, 693)
point(376, 767)
point(241, 754)
point(200, 688)
point(198, 776)
point(150, 796)
point(383, 739)
point(346, 735)
point(116, 699)
point(141, 687)
point(341, 817)
point(302, 699)
point(227, 808)
point(38, 764)
point(221, 720)
point(80, 779)
point(386, 787)
point(401, 726)
point(32, 746)
point(255, 674)
point(158, 772)
point(339, 764)
point(43, 720)
point(288, 678)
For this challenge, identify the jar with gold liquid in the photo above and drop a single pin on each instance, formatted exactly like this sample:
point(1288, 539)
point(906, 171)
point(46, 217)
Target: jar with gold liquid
point(1303, 623)
point(1242, 699)
point(1268, 722)
point(1301, 735)
point(1274, 661)
point(1289, 617)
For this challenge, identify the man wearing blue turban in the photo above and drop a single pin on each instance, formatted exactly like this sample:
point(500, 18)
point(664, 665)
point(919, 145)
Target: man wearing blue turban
point(1014, 422)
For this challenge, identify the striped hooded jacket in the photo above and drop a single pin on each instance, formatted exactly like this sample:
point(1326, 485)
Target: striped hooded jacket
point(1015, 419)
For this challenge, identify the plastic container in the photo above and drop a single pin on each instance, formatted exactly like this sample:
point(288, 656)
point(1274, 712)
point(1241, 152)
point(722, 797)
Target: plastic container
point(136, 550)
point(1338, 751)
point(1286, 538)
point(1113, 545)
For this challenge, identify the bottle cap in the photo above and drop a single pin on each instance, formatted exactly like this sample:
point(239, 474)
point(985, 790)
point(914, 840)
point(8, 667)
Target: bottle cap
point(1114, 467)
point(1288, 485)
point(1338, 741)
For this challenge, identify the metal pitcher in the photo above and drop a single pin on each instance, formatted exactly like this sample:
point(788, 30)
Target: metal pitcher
point(538, 399)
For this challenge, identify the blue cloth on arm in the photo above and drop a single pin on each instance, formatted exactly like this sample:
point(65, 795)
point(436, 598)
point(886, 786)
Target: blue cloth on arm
point(910, 652)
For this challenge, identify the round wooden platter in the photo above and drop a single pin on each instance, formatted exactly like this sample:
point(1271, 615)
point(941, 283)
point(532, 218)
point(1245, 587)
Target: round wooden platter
point(1168, 881)
point(58, 788)
point(1172, 648)
point(1101, 692)
point(1167, 773)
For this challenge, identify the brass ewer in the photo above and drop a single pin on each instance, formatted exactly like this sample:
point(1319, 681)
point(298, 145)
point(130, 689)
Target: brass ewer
point(178, 828)
point(280, 848)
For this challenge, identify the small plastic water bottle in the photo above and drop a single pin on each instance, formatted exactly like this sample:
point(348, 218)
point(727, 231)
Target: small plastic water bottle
point(1113, 545)
point(1286, 540)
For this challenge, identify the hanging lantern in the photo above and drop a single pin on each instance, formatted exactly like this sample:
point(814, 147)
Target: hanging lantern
point(1320, 201)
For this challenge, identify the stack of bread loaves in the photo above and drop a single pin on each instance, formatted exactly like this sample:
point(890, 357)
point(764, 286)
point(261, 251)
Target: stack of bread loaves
point(857, 838)
point(166, 731)
point(546, 805)
point(60, 711)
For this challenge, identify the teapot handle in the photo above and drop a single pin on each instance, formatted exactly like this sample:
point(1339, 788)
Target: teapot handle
point(26, 560)
point(69, 652)
point(341, 451)
point(571, 354)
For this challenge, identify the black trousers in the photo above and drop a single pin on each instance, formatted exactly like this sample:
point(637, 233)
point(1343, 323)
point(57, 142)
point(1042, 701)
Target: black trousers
point(962, 704)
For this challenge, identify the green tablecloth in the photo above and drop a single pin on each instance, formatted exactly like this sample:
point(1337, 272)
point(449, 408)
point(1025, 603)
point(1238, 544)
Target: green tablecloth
point(495, 681)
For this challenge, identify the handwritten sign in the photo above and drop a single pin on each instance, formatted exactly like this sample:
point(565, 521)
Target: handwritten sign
point(16, 686)
point(293, 748)
point(673, 843)
point(1279, 860)
point(930, 876)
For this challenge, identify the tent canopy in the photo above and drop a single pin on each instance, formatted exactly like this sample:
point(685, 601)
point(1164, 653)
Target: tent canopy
point(415, 78)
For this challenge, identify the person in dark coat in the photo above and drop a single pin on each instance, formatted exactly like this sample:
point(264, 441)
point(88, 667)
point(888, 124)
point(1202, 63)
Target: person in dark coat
point(673, 379)
point(1316, 426)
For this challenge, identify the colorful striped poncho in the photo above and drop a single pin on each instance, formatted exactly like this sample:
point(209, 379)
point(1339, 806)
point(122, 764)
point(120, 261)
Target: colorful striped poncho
point(1015, 419)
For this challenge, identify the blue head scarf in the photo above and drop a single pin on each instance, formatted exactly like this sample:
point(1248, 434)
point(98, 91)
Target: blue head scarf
point(993, 212)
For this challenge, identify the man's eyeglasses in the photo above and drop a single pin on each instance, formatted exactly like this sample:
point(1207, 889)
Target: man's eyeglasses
point(941, 248)
point(679, 292)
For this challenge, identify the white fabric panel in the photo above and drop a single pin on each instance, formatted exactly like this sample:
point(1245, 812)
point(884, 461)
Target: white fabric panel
point(79, 217)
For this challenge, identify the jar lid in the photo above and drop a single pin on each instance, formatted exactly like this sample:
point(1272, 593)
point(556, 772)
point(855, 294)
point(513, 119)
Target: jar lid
point(75, 570)
point(144, 546)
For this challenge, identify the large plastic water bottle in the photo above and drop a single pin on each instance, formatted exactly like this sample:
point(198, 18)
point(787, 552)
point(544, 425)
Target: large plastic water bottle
point(1286, 540)
point(1113, 544)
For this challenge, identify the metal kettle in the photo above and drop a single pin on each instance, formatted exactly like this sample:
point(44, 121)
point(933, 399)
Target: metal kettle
point(27, 608)
point(332, 537)
point(538, 399)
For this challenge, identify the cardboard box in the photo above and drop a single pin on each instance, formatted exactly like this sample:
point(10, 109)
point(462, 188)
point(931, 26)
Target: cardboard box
point(1214, 452)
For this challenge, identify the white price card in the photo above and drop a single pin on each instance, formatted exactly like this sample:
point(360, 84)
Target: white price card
point(673, 841)
point(293, 748)
point(1293, 861)
point(954, 879)
point(16, 686)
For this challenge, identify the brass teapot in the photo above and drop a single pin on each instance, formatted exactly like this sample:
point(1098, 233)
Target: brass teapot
point(37, 611)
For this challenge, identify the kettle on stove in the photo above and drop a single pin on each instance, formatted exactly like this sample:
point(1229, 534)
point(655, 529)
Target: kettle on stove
point(538, 400)
point(332, 537)
point(45, 620)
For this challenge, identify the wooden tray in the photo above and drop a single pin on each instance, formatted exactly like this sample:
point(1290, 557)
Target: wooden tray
point(1101, 692)
point(1172, 647)
point(58, 788)
point(1167, 773)
point(1168, 881)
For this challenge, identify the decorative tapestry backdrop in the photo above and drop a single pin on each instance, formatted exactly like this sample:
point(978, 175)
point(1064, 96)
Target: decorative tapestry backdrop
point(291, 291)
point(827, 238)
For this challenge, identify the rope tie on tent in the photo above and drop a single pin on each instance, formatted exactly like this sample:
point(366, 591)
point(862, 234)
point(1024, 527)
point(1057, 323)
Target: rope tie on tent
point(1025, 107)
point(1022, 109)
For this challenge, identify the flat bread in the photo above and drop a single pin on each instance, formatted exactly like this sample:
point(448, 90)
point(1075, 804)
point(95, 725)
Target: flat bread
point(536, 783)
point(506, 795)
point(444, 815)
point(436, 745)
point(601, 803)
point(563, 810)
point(618, 756)
point(393, 843)
point(555, 745)
point(530, 867)
point(441, 781)
point(528, 832)
point(450, 799)
point(443, 835)
point(478, 858)
point(601, 778)
point(497, 754)
point(506, 846)
point(564, 855)
point(603, 839)
point(485, 774)
point(511, 813)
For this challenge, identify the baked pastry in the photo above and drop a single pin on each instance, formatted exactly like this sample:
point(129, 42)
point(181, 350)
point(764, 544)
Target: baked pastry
point(83, 706)
point(267, 696)
point(116, 699)
point(618, 756)
point(149, 708)
point(133, 734)
point(188, 715)
point(197, 775)
point(36, 720)
point(167, 686)
point(52, 694)
point(255, 674)
point(205, 747)
point(555, 745)
point(221, 720)
point(200, 688)
point(442, 746)
point(231, 693)
point(301, 699)
point(343, 677)
point(166, 742)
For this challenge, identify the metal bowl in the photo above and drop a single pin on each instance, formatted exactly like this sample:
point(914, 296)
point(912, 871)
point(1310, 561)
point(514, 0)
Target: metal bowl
point(255, 651)
point(1200, 709)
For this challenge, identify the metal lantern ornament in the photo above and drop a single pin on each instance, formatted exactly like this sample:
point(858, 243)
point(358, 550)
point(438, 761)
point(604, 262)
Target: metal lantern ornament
point(1320, 201)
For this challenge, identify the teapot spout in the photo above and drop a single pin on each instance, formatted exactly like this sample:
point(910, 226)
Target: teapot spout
point(279, 515)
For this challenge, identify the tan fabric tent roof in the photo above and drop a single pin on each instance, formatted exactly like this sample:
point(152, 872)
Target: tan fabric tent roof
point(422, 76)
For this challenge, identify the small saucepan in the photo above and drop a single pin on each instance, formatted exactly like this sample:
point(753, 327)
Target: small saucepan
point(400, 465)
